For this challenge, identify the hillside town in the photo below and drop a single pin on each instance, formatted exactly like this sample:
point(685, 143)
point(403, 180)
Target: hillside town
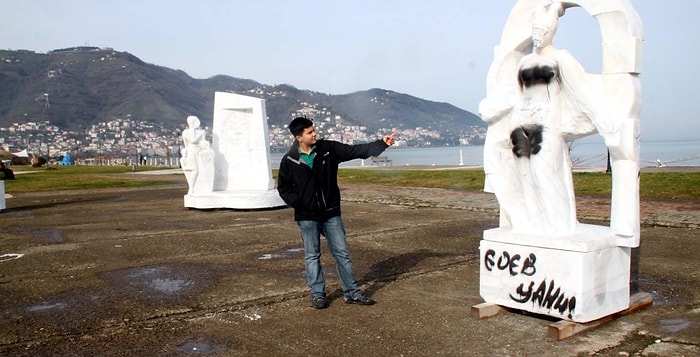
point(148, 132)
point(126, 140)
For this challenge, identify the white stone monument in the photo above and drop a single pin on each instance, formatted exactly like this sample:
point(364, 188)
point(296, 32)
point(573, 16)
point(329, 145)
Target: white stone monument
point(234, 171)
point(2, 196)
point(540, 258)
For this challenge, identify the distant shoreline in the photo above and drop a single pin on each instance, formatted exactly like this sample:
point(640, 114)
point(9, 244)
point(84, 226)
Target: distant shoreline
point(452, 167)
point(645, 169)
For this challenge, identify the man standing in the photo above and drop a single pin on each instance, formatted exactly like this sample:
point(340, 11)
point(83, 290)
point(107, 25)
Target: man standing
point(308, 182)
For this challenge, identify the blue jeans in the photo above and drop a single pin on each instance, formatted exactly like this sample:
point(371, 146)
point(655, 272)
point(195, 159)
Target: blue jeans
point(334, 231)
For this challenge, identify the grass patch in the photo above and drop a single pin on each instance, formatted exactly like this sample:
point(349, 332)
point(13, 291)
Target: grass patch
point(657, 185)
point(652, 185)
point(592, 184)
point(40, 179)
point(671, 185)
point(459, 180)
point(663, 185)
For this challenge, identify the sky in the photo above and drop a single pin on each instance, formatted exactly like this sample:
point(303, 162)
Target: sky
point(436, 50)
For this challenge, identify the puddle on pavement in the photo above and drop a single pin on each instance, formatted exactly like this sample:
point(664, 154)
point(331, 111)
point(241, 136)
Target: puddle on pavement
point(48, 236)
point(140, 272)
point(673, 325)
point(73, 310)
point(259, 219)
point(166, 281)
point(169, 286)
point(69, 311)
point(208, 345)
point(664, 291)
point(43, 236)
point(280, 254)
point(161, 279)
point(45, 306)
point(194, 347)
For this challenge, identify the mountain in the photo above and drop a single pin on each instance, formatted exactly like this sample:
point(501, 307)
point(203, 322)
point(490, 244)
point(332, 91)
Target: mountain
point(77, 87)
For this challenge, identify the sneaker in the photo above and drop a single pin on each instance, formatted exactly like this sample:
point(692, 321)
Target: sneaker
point(360, 299)
point(319, 302)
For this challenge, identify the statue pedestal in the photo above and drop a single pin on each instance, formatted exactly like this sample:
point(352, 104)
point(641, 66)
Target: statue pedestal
point(580, 278)
point(251, 199)
point(2, 195)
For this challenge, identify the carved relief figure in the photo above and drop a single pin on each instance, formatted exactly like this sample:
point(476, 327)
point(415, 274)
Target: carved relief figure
point(197, 158)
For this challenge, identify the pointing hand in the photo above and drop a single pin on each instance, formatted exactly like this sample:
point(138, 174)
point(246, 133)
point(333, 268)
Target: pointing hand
point(389, 139)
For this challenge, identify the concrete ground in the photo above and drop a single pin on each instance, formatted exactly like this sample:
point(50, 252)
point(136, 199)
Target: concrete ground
point(131, 272)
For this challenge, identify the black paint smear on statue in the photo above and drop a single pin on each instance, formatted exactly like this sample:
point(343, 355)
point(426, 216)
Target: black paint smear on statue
point(526, 140)
point(529, 77)
point(545, 297)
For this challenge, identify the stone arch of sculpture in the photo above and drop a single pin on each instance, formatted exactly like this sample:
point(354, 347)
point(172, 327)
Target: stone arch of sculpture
point(621, 44)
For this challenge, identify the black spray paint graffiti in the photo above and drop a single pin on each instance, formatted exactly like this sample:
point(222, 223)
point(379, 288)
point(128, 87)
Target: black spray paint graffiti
point(545, 296)
point(505, 261)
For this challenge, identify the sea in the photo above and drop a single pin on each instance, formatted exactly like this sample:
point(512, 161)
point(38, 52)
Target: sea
point(588, 154)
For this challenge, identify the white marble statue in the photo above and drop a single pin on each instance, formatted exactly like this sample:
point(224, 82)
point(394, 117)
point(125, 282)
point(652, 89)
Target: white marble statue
point(234, 171)
point(540, 259)
point(537, 102)
point(197, 158)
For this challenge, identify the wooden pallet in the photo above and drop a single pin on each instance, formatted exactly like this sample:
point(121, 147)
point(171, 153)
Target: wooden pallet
point(564, 329)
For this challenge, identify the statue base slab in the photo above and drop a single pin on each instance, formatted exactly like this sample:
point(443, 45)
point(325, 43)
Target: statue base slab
point(235, 200)
point(581, 277)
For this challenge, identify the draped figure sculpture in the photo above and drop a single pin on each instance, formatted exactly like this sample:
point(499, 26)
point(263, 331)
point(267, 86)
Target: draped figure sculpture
point(543, 102)
point(538, 99)
point(197, 158)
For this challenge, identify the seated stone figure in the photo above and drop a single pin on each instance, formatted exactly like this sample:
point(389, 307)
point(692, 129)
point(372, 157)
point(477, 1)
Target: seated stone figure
point(197, 158)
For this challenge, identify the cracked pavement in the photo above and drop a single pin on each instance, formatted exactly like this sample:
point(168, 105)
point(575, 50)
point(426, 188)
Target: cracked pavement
point(132, 272)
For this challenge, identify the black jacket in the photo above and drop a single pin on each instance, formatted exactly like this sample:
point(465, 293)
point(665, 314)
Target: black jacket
point(314, 194)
